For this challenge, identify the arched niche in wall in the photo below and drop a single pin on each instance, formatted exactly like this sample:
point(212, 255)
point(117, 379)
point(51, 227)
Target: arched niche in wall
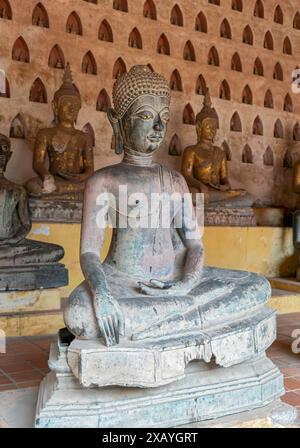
point(268, 157)
point(278, 15)
point(5, 10)
point(119, 68)
point(120, 5)
point(259, 9)
point(201, 87)
point(224, 92)
point(188, 115)
point(135, 39)
point(225, 30)
point(258, 128)
point(213, 57)
point(176, 82)
point(189, 52)
point(38, 93)
point(278, 72)
point(296, 22)
point(236, 63)
point(103, 101)
point(20, 51)
point(149, 10)
point(89, 65)
point(18, 128)
point(105, 32)
point(248, 36)
point(235, 123)
point(56, 58)
point(175, 147)
point(288, 104)
point(40, 16)
point(201, 23)
point(176, 16)
point(258, 68)
point(74, 25)
point(278, 129)
point(163, 46)
point(247, 96)
point(269, 41)
point(268, 100)
point(237, 5)
point(287, 46)
point(247, 155)
point(296, 132)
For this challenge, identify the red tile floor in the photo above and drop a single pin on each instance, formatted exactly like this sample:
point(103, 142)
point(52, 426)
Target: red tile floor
point(25, 363)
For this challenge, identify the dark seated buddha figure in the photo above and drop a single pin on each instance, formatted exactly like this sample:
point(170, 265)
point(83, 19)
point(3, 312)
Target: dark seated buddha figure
point(24, 264)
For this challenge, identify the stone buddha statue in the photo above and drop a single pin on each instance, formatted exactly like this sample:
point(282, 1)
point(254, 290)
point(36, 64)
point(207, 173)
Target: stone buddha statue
point(204, 165)
point(152, 280)
point(141, 316)
point(24, 264)
point(68, 150)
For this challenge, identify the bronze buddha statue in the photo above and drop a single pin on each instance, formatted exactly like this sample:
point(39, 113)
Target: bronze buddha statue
point(204, 165)
point(69, 150)
point(24, 264)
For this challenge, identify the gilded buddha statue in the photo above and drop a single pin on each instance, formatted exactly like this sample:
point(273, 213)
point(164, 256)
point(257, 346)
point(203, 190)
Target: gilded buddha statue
point(142, 315)
point(24, 264)
point(204, 165)
point(69, 151)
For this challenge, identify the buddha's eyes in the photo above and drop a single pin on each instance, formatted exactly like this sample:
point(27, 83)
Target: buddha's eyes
point(145, 115)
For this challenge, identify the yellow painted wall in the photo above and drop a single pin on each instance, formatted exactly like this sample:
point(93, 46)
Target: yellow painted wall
point(268, 251)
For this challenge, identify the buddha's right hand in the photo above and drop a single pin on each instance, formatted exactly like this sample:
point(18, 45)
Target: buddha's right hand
point(110, 319)
point(49, 184)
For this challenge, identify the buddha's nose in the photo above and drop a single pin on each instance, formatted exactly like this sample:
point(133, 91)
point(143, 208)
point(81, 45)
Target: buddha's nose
point(158, 125)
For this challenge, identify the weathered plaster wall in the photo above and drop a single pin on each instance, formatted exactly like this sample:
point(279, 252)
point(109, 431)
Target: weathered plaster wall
point(271, 184)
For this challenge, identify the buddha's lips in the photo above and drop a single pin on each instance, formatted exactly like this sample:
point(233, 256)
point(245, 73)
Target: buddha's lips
point(155, 139)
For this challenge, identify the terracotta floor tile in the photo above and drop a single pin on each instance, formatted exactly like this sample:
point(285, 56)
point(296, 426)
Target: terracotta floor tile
point(292, 383)
point(31, 375)
point(4, 380)
point(290, 371)
point(28, 384)
point(7, 387)
point(292, 398)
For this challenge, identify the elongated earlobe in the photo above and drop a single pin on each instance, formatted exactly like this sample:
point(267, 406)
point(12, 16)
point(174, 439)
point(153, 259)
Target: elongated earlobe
point(116, 128)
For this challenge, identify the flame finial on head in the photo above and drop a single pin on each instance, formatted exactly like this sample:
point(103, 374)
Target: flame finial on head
point(207, 111)
point(67, 88)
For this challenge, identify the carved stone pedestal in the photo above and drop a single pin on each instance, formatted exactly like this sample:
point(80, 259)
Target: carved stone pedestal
point(166, 383)
point(229, 217)
point(207, 392)
point(55, 210)
point(28, 278)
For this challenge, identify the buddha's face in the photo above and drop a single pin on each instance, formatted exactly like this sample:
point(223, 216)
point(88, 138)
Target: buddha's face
point(67, 110)
point(5, 154)
point(144, 125)
point(207, 129)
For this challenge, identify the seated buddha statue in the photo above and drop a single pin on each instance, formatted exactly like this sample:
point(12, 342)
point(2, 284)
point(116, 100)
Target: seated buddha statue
point(204, 165)
point(63, 156)
point(152, 284)
point(17, 252)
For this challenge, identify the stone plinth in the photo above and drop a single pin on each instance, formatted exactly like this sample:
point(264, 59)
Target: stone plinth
point(207, 392)
point(32, 277)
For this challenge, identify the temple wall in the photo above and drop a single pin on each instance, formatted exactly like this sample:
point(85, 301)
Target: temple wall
point(269, 184)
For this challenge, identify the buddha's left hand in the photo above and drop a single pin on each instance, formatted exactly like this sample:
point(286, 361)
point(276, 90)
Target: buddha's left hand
point(174, 288)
